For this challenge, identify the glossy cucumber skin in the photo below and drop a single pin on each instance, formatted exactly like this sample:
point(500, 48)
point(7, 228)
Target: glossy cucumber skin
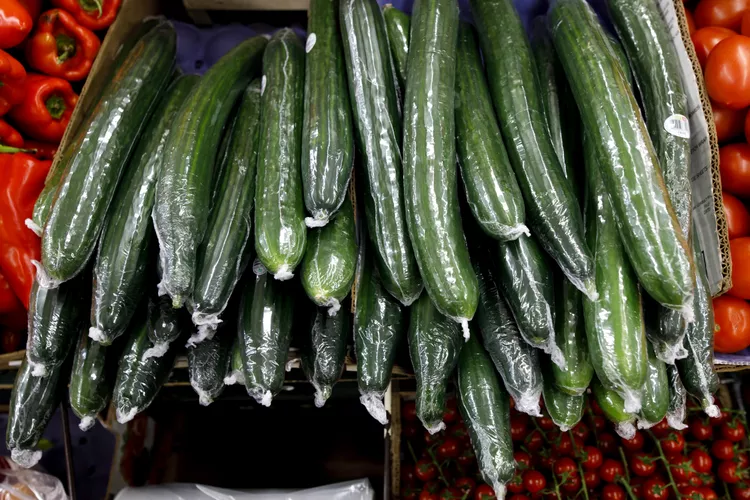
point(208, 364)
point(184, 187)
point(265, 331)
point(325, 353)
point(655, 392)
point(430, 185)
point(90, 380)
point(435, 342)
point(327, 135)
point(377, 125)
point(398, 25)
point(124, 254)
point(552, 210)
point(280, 231)
point(46, 198)
point(331, 259)
point(570, 337)
point(564, 409)
point(648, 227)
point(516, 361)
point(165, 324)
point(611, 403)
point(228, 245)
point(485, 407)
point(677, 399)
point(99, 151)
point(491, 187)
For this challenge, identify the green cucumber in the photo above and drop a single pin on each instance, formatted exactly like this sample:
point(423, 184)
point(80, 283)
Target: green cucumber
point(379, 324)
point(236, 374)
point(377, 122)
point(430, 185)
point(619, 53)
point(325, 351)
point(491, 187)
point(228, 244)
point(33, 401)
point(570, 337)
point(184, 187)
point(677, 399)
point(434, 345)
point(485, 407)
point(165, 325)
point(613, 407)
point(647, 224)
point(564, 409)
point(265, 332)
point(655, 393)
point(516, 361)
point(55, 319)
point(99, 152)
point(280, 232)
point(139, 378)
point(46, 198)
point(124, 254)
point(398, 26)
point(552, 209)
point(208, 364)
point(327, 135)
point(90, 380)
point(330, 260)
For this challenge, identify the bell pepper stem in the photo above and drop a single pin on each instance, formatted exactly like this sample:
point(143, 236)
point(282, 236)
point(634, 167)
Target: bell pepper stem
point(11, 149)
point(66, 47)
point(91, 5)
point(56, 106)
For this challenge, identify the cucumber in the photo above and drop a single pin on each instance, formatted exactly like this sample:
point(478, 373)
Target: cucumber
point(124, 254)
point(46, 198)
point(139, 378)
point(398, 26)
point(516, 361)
point(677, 399)
point(647, 224)
point(613, 407)
point(551, 207)
point(33, 401)
point(330, 260)
point(655, 393)
point(491, 187)
point(564, 409)
point(614, 322)
point(485, 408)
point(430, 186)
point(165, 325)
point(697, 369)
point(379, 324)
point(184, 186)
point(570, 338)
point(55, 318)
point(99, 151)
point(377, 122)
point(325, 351)
point(327, 135)
point(265, 332)
point(90, 380)
point(619, 54)
point(434, 345)
point(236, 374)
point(228, 244)
point(208, 364)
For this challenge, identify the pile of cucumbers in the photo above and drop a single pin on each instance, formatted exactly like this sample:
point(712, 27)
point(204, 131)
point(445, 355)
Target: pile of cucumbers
point(517, 219)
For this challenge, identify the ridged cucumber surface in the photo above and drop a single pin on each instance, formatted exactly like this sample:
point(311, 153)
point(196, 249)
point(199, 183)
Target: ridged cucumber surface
point(564, 409)
point(613, 407)
point(377, 123)
point(184, 187)
point(325, 351)
point(677, 399)
point(327, 134)
point(490, 183)
point(398, 25)
point(655, 393)
point(124, 254)
point(99, 153)
point(435, 342)
point(90, 380)
point(208, 364)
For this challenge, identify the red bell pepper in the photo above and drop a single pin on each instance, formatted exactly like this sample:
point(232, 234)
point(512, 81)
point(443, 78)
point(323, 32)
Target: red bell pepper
point(93, 14)
point(33, 7)
point(15, 23)
point(10, 136)
point(41, 150)
point(12, 78)
point(45, 111)
point(61, 47)
point(12, 312)
point(22, 181)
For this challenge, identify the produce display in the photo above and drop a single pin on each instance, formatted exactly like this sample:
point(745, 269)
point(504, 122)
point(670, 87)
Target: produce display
point(550, 230)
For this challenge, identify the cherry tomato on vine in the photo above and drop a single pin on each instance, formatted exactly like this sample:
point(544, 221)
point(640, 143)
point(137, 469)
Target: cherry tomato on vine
point(613, 492)
point(523, 459)
point(598, 423)
point(466, 458)
point(691, 22)
point(518, 426)
point(450, 414)
point(425, 470)
point(635, 443)
point(611, 470)
point(592, 479)
point(655, 489)
point(701, 461)
point(546, 423)
point(709, 494)
point(563, 445)
point(534, 481)
point(595, 408)
point(484, 492)
point(742, 460)
point(572, 484)
point(519, 497)
point(581, 431)
point(728, 472)
point(733, 431)
point(690, 492)
point(591, 458)
point(700, 428)
point(466, 485)
point(636, 485)
point(607, 443)
point(673, 443)
point(642, 464)
point(449, 448)
point(430, 439)
point(723, 449)
point(533, 441)
point(661, 429)
point(516, 485)
point(451, 493)
point(740, 493)
point(681, 468)
point(428, 495)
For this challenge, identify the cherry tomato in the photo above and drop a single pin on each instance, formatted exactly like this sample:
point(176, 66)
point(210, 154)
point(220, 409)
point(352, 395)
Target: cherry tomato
point(733, 431)
point(572, 484)
point(484, 492)
point(655, 489)
point(742, 460)
point(546, 459)
point(705, 39)
point(691, 492)
point(519, 497)
point(634, 444)
point(592, 479)
point(546, 423)
point(724, 416)
point(734, 166)
point(410, 493)
point(727, 72)
point(681, 468)
point(466, 458)
point(592, 458)
point(611, 470)
point(701, 461)
point(726, 13)
point(607, 443)
point(613, 492)
point(409, 411)
point(407, 474)
point(700, 428)
point(523, 459)
point(740, 252)
point(636, 484)
point(690, 21)
point(428, 495)
point(695, 481)
point(430, 439)
point(515, 485)
point(596, 408)
point(563, 445)
point(533, 441)
point(581, 431)
point(722, 449)
point(642, 464)
point(460, 433)
point(518, 426)
point(709, 494)
point(661, 429)
point(673, 443)
point(728, 473)
point(740, 493)
point(425, 470)
point(450, 414)
point(738, 217)
point(534, 481)
point(598, 423)
point(451, 493)
point(449, 448)
point(729, 123)
point(732, 323)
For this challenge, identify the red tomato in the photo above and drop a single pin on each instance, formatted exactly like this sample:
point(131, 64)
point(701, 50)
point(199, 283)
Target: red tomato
point(726, 13)
point(681, 468)
point(563, 445)
point(728, 473)
point(523, 459)
point(701, 461)
point(592, 458)
point(546, 423)
point(673, 443)
point(451, 494)
point(700, 428)
point(515, 485)
point(592, 479)
point(747, 128)
point(730, 123)
point(738, 217)
point(690, 21)
point(655, 489)
point(742, 461)
point(727, 72)
point(661, 429)
point(732, 327)
point(607, 443)
point(734, 167)
point(733, 431)
point(739, 493)
point(449, 448)
point(572, 484)
point(723, 449)
point(634, 444)
point(428, 495)
point(425, 470)
point(430, 439)
point(740, 253)
point(518, 426)
point(613, 492)
point(519, 497)
point(611, 470)
point(642, 464)
point(709, 494)
point(581, 431)
point(409, 411)
point(533, 440)
point(705, 39)
point(564, 465)
point(534, 481)
point(745, 26)
point(466, 458)
point(450, 414)
point(691, 492)
point(484, 492)
point(724, 416)
point(596, 408)
point(598, 423)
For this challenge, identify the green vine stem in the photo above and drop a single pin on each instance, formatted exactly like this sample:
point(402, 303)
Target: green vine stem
point(663, 457)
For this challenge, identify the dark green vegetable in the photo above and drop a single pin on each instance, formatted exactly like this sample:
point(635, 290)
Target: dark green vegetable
point(90, 380)
point(208, 364)
point(325, 351)
point(398, 25)
point(165, 325)
point(655, 393)
point(677, 399)
point(613, 407)
point(236, 374)
point(564, 409)
point(570, 337)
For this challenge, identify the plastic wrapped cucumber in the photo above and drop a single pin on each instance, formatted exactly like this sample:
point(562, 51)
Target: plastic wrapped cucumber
point(325, 351)
point(655, 393)
point(485, 407)
point(91, 380)
point(434, 344)
point(236, 373)
point(565, 410)
point(208, 364)
point(677, 399)
point(165, 325)
point(398, 24)
point(570, 337)
point(613, 407)
point(515, 360)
